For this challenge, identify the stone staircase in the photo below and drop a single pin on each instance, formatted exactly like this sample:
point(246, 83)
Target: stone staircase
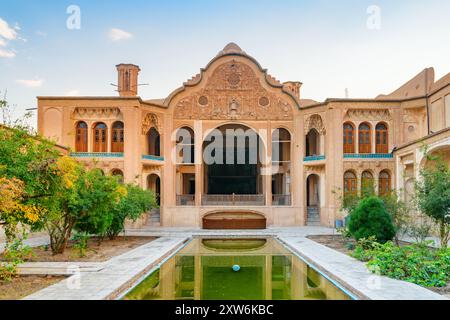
point(154, 219)
point(313, 214)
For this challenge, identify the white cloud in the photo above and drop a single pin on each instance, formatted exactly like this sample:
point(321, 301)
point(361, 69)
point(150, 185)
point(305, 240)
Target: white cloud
point(119, 35)
point(72, 93)
point(31, 83)
point(6, 31)
point(7, 54)
point(7, 34)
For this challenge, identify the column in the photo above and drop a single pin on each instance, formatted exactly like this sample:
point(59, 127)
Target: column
point(268, 167)
point(198, 138)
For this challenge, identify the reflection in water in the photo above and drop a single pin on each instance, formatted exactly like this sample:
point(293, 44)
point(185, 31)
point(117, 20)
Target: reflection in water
point(203, 271)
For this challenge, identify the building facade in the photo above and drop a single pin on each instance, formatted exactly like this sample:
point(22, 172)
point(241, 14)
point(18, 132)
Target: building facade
point(291, 158)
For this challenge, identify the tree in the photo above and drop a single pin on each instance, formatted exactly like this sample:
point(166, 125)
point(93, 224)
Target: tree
point(399, 212)
point(12, 211)
point(84, 200)
point(27, 177)
point(371, 219)
point(433, 194)
point(131, 207)
point(98, 196)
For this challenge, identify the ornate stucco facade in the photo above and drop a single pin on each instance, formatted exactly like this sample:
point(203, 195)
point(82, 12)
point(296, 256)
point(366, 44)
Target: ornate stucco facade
point(322, 148)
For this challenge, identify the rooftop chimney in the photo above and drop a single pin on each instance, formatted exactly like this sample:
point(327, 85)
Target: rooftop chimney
point(128, 79)
point(293, 87)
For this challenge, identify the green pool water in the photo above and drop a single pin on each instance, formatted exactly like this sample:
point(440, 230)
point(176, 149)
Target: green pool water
point(203, 270)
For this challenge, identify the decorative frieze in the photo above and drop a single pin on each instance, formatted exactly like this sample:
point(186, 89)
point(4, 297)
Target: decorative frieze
point(151, 120)
point(315, 122)
point(234, 91)
point(369, 115)
point(86, 113)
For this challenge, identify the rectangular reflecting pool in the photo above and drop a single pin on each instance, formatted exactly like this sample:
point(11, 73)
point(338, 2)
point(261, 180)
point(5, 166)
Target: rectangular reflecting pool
point(235, 269)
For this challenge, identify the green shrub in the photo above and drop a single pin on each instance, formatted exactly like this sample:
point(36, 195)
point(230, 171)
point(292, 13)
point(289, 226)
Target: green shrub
point(81, 243)
point(14, 254)
point(136, 203)
point(418, 264)
point(371, 219)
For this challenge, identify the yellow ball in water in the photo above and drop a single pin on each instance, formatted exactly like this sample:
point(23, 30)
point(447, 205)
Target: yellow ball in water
point(236, 268)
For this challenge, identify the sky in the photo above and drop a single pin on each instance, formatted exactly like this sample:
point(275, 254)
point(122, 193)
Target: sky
point(368, 47)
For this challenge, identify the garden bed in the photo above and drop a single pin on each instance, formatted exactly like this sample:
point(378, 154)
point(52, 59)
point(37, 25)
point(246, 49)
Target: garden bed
point(336, 242)
point(23, 286)
point(95, 252)
point(341, 244)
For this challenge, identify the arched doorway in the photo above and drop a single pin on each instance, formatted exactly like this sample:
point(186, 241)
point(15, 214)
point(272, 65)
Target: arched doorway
point(154, 184)
point(313, 199)
point(232, 156)
point(118, 173)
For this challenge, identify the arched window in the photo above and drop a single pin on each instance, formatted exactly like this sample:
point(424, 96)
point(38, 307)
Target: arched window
point(154, 142)
point(281, 161)
point(367, 183)
point(364, 141)
point(185, 146)
point(312, 143)
point(118, 173)
point(350, 183)
point(381, 138)
point(100, 137)
point(81, 137)
point(118, 136)
point(281, 145)
point(384, 183)
point(349, 138)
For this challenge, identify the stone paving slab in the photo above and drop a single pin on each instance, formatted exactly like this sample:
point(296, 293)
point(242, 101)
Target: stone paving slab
point(354, 276)
point(58, 268)
point(116, 275)
point(269, 232)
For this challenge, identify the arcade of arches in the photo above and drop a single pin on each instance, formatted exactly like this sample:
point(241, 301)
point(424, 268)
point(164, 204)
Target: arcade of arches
point(285, 157)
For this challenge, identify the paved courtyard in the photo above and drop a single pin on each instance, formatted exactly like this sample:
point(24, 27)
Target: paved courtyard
point(106, 280)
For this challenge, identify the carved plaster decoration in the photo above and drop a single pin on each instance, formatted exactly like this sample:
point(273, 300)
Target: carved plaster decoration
point(369, 114)
point(315, 122)
point(85, 113)
point(151, 120)
point(412, 116)
point(234, 91)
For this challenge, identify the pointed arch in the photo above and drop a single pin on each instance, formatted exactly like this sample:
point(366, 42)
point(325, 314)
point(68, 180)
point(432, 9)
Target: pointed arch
point(81, 137)
point(100, 137)
point(365, 138)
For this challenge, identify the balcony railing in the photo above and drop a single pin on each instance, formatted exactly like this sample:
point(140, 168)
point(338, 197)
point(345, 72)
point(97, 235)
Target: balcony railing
point(368, 156)
point(185, 200)
point(281, 199)
point(233, 200)
point(313, 158)
point(97, 154)
point(152, 157)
